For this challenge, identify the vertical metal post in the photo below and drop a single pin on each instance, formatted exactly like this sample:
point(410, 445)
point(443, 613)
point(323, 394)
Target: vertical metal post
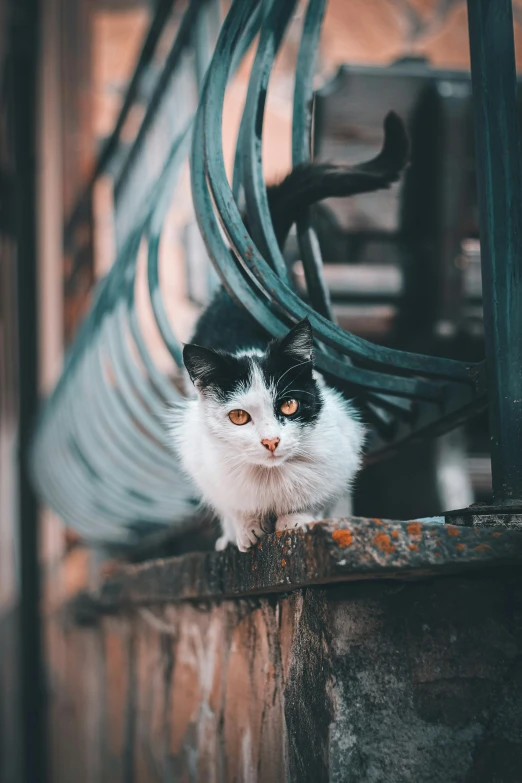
point(24, 40)
point(499, 179)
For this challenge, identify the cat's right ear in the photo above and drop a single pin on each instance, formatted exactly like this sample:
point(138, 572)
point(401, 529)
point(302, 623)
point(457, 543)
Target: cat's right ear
point(202, 364)
point(299, 342)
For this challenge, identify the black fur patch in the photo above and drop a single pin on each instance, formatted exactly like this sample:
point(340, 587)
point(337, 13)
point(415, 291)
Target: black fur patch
point(226, 326)
point(216, 372)
point(286, 366)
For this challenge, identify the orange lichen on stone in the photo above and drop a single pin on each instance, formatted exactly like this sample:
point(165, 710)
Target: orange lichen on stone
point(377, 521)
point(383, 542)
point(343, 538)
point(413, 547)
point(414, 528)
point(394, 534)
point(496, 534)
point(452, 530)
point(283, 562)
point(482, 547)
point(460, 547)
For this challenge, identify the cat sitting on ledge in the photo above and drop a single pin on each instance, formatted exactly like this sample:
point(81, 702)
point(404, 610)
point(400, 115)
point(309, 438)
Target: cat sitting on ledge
point(266, 440)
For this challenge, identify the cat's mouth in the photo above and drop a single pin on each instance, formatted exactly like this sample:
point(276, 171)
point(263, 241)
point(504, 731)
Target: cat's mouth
point(270, 460)
point(275, 458)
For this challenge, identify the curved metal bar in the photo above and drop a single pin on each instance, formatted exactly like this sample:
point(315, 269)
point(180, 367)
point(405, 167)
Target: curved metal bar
point(78, 485)
point(128, 383)
point(117, 432)
point(161, 14)
point(134, 367)
point(120, 428)
point(99, 386)
point(164, 388)
point(260, 222)
point(121, 469)
point(82, 441)
point(301, 143)
point(149, 443)
point(181, 41)
point(265, 310)
point(156, 299)
point(379, 407)
point(107, 496)
point(283, 298)
point(382, 409)
point(253, 26)
point(90, 325)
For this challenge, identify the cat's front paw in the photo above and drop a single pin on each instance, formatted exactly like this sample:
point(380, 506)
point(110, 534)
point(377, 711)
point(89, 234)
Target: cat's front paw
point(248, 534)
point(222, 543)
point(293, 521)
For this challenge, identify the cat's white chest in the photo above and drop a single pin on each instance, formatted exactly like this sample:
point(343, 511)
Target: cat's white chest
point(234, 489)
point(319, 472)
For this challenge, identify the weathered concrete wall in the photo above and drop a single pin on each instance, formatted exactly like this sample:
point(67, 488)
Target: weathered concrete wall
point(363, 682)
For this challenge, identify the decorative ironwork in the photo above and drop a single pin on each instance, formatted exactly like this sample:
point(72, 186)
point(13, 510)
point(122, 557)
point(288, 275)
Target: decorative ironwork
point(100, 456)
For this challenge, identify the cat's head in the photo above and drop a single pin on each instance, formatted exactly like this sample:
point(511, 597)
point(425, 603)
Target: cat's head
point(260, 405)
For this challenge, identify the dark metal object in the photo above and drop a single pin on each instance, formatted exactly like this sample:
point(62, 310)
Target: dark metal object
point(24, 34)
point(482, 515)
point(7, 191)
point(302, 145)
point(182, 40)
point(499, 177)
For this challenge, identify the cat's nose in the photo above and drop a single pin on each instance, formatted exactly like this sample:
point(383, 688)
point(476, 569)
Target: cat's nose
point(270, 443)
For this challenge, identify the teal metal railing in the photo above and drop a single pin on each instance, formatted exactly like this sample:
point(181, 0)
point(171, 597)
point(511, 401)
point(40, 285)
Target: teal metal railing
point(100, 454)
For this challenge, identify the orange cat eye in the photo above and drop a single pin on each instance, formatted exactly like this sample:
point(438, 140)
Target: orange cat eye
point(289, 407)
point(239, 417)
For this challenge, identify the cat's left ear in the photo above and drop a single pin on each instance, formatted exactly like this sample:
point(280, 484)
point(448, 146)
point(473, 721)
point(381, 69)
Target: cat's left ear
point(299, 342)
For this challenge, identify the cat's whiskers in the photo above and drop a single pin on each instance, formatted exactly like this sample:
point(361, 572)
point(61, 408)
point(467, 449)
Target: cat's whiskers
point(298, 392)
point(233, 460)
point(299, 364)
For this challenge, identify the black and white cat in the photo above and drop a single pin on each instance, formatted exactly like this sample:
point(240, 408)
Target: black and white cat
point(266, 441)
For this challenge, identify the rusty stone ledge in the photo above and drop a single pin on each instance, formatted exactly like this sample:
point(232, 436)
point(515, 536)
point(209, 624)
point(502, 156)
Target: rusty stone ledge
point(326, 552)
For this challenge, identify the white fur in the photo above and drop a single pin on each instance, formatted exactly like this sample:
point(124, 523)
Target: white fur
point(310, 470)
